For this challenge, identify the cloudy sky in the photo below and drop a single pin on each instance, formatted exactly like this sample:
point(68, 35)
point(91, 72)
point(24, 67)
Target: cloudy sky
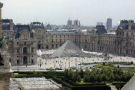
point(89, 12)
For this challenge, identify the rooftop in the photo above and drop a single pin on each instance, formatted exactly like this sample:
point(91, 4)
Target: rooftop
point(62, 32)
point(127, 24)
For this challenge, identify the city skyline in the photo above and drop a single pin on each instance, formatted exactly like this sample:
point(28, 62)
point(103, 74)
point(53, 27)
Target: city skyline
point(37, 56)
point(89, 12)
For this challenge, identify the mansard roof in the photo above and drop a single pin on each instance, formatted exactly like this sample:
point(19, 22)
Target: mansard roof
point(125, 24)
point(20, 28)
point(62, 33)
point(6, 24)
point(37, 25)
point(100, 29)
point(6, 20)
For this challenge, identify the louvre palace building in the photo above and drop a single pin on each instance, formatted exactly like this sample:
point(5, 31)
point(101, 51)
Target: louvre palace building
point(24, 40)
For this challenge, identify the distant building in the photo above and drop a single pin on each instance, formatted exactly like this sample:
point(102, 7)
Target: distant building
point(37, 25)
point(69, 23)
point(109, 24)
point(49, 27)
point(100, 29)
point(73, 24)
point(125, 38)
point(77, 24)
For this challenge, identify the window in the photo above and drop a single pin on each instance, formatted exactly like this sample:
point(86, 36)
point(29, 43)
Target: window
point(52, 46)
point(32, 61)
point(18, 50)
point(25, 61)
point(85, 46)
point(10, 60)
point(24, 43)
point(17, 43)
point(32, 49)
point(25, 50)
point(39, 46)
point(47, 47)
point(18, 62)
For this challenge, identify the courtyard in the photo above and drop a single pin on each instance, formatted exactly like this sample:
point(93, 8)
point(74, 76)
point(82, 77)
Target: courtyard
point(63, 63)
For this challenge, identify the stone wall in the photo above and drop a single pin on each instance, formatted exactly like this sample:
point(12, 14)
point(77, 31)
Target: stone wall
point(5, 81)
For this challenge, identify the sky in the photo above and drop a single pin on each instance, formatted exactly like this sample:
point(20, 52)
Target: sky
point(89, 12)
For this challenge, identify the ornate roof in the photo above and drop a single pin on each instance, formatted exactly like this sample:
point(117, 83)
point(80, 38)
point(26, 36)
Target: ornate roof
point(20, 28)
point(125, 24)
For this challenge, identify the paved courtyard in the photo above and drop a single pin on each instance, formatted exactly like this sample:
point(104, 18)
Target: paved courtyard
point(62, 63)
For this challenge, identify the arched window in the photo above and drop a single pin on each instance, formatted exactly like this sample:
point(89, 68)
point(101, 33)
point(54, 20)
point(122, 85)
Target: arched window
point(39, 46)
point(18, 62)
point(32, 61)
point(47, 47)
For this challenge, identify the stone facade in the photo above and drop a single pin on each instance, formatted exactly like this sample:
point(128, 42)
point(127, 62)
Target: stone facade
point(121, 43)
point(125, 38)
point(25, 40)
point(5, 81)
point(23, 46)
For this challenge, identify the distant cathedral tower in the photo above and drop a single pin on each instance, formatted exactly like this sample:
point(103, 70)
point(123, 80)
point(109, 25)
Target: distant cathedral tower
point(1, 5)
